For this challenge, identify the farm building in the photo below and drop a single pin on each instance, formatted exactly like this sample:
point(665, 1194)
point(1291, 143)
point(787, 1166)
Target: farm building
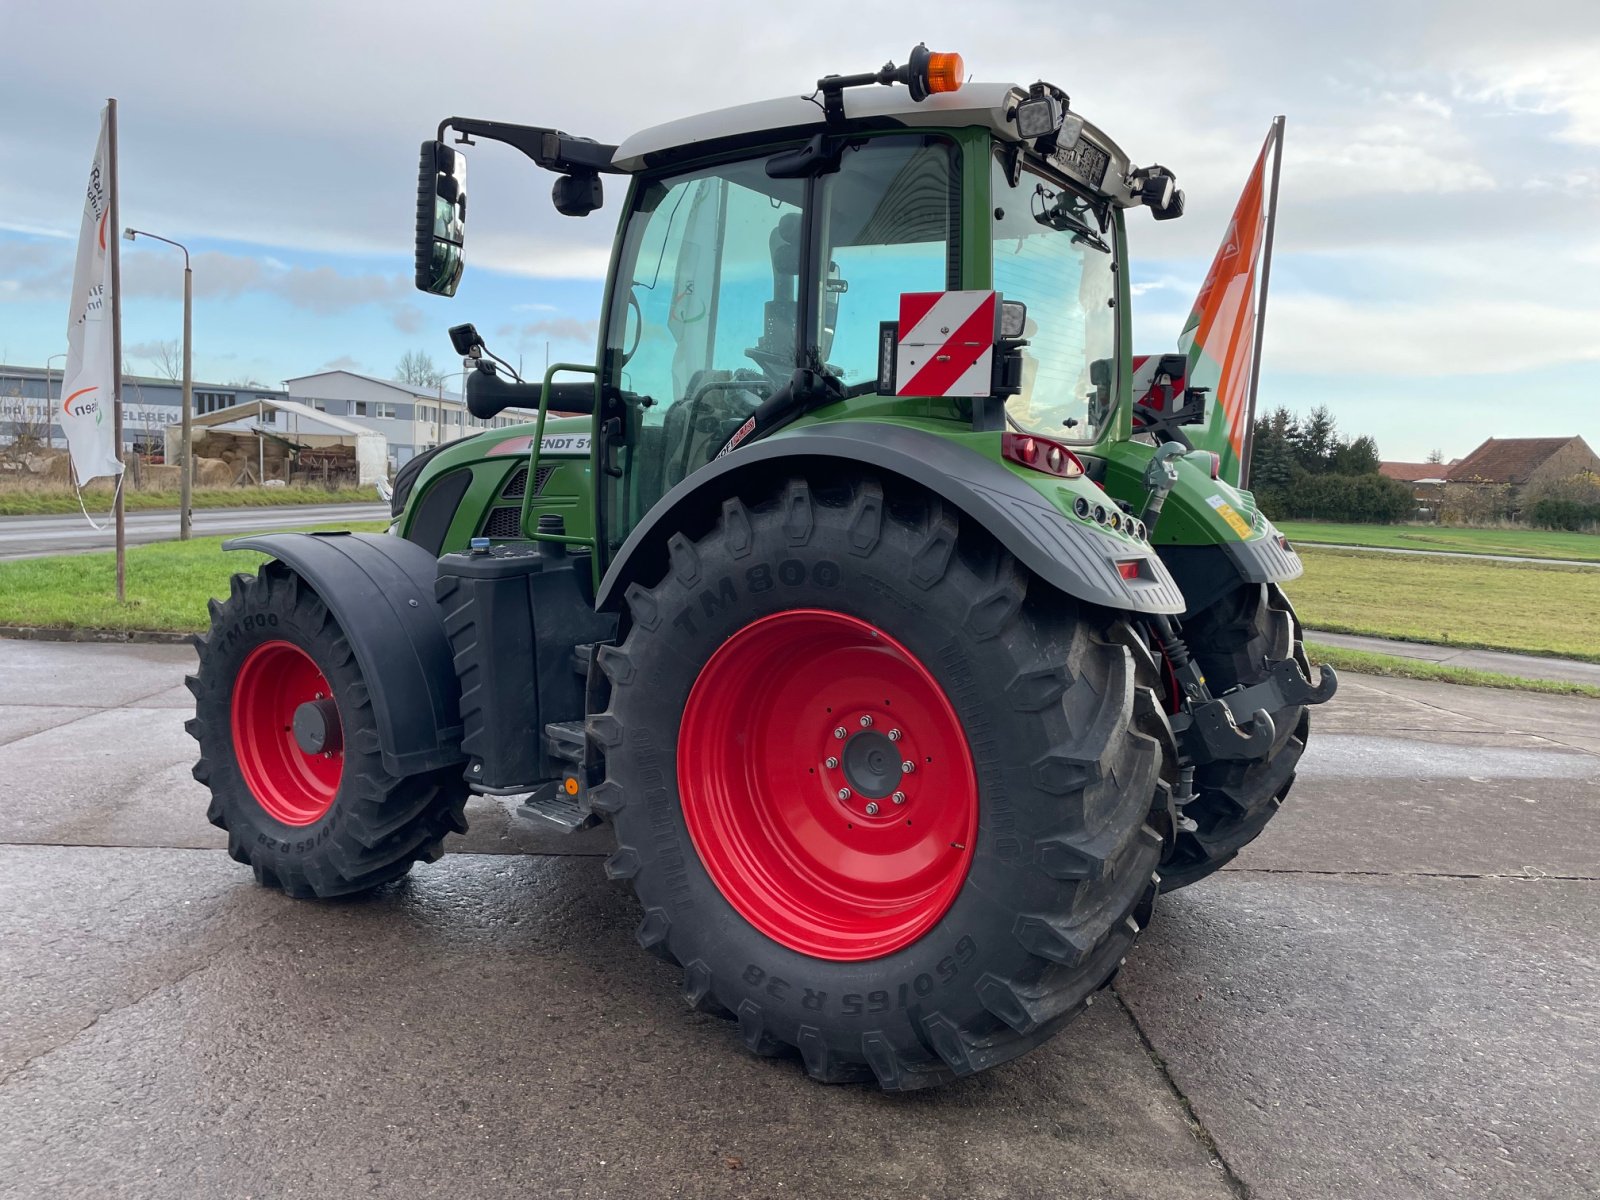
point(269, 439)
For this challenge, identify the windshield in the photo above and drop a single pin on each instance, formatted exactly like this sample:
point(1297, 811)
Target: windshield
point(1053, 252)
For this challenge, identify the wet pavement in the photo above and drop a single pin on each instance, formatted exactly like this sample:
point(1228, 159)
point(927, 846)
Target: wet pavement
point(1394, 993)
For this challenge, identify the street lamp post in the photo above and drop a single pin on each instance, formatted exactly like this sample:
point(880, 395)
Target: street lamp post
point(186, 468)
point(49, 408)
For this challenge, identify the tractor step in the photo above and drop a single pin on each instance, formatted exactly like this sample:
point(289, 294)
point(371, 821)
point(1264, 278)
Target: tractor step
point(552, 807)
point(564, 741)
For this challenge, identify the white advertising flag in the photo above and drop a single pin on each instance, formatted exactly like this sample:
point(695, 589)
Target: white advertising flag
point(89, 381)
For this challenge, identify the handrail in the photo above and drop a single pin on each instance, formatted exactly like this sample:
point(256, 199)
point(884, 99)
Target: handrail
point(564, 539)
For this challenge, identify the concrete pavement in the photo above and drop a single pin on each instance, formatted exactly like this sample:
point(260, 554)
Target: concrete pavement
point(29, 537)
point(1392, 994)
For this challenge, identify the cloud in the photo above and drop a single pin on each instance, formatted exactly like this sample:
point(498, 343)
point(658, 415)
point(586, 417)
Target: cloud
point(343, 363)
point(1449, 336)
point(556, 329)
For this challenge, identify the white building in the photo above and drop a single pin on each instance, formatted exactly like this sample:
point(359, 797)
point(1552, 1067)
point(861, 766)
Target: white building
point(412, 419)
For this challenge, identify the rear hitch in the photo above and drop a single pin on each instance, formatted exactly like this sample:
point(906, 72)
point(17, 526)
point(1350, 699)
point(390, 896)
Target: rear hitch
point(1285, 685)
point(1221, 736)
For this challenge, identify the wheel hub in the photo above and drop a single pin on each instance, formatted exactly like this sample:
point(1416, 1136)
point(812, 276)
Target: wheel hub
point(871, 764)
point(316, 726)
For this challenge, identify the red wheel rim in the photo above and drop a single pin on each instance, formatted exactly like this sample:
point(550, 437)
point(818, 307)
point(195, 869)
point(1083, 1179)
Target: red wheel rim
point(793, 800)
point(294, 787)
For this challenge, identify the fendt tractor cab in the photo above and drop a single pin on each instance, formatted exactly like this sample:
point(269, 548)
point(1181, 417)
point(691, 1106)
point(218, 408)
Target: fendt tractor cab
point(905, 653)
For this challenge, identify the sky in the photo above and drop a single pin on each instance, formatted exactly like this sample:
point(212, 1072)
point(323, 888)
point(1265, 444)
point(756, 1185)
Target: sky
point(1437, 272)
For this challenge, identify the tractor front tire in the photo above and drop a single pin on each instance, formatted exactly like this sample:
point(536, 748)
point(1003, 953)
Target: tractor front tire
point(883, 796)
point(315, 824)
point(1233, 641)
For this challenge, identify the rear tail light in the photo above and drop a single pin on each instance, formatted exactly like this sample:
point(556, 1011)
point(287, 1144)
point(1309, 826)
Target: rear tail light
point(1041, 454)
point(1129, 569)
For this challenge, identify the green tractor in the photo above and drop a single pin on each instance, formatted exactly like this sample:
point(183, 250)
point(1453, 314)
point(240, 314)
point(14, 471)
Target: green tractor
point(907, 653)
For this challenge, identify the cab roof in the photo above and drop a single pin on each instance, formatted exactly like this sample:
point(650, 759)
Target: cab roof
point(984, 105)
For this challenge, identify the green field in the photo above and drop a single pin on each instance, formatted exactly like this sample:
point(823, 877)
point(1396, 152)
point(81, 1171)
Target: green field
point(1529, 608)
point(42, 502)
point(168, 585)
point(1525, 543)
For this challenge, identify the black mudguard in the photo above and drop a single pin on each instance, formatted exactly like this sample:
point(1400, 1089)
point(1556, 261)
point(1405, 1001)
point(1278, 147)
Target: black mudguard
point(1077, 559)
point(381, 591)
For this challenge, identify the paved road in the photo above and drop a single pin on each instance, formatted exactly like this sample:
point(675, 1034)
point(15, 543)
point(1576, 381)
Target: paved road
point(1528, 666)
point(28, 537)
point(1510, 558)
point(1394, 993)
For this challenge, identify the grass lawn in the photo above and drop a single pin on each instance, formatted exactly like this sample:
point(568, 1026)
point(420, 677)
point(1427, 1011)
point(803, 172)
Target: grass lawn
point(1527, 543)
point(168, 585)
point(40, 502)
point(1523, 607)
point(1527, 608)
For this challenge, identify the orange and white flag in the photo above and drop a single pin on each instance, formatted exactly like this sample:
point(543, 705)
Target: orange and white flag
point(1219, 336)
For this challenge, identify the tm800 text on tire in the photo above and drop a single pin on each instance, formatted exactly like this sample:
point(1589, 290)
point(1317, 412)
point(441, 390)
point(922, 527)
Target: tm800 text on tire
point(882, 795)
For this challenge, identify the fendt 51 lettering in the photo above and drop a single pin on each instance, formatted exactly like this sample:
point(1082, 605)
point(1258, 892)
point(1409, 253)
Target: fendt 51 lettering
point(910, 634)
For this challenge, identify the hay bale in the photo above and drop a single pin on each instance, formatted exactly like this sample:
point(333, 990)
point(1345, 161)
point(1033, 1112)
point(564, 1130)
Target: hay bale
point(213, 472)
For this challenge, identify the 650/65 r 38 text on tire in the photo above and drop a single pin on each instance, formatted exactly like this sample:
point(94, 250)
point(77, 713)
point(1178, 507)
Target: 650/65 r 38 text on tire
point(324, 822)
point(882, 795)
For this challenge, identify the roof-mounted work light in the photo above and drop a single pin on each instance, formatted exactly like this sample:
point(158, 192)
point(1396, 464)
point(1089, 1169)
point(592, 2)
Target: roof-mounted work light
point(924, 73)
point(1044, 118)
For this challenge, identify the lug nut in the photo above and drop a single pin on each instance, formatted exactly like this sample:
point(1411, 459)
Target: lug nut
point(844, 793)
point(908, 766)
point(839, 733)
point(872, 810)
point(895, 735)
point(899, 797)
point(832, 762)
point(866, 721)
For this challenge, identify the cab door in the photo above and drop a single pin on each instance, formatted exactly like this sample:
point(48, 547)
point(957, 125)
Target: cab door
point(703, 326)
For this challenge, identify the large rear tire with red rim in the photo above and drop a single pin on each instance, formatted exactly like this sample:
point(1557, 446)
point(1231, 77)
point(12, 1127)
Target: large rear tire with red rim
point(290, 751)
point(885, 797)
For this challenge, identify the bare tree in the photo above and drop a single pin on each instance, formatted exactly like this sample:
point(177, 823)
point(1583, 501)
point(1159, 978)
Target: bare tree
point(166, 358)
point(1436, 456)
point(417, 368)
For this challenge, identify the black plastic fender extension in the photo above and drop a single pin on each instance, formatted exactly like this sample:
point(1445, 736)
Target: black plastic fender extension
point(1078, 559)
point(381, 591)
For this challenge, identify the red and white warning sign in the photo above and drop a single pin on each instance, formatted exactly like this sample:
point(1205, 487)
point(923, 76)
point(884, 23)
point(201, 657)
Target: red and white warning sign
point(946, 344)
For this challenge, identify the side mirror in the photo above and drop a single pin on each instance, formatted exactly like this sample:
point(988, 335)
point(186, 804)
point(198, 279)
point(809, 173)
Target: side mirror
point(441, 218)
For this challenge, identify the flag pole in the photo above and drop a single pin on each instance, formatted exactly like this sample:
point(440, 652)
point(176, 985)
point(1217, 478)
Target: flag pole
point(114, 242)
point(1261, 306)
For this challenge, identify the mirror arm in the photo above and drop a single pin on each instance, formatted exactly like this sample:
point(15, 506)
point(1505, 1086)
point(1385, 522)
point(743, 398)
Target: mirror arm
point(550, 148)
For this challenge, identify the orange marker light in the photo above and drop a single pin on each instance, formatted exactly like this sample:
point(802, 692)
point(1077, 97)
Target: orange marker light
point(571, 786)
point(945, 72)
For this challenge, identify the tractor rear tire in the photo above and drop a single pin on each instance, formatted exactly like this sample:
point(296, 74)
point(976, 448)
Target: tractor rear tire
point(313, 824)
point(1233, 641)
point(899, 920)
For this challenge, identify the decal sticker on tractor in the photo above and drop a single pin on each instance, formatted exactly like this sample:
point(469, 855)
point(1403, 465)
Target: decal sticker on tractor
point(946, 345)
point(1231, 515)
